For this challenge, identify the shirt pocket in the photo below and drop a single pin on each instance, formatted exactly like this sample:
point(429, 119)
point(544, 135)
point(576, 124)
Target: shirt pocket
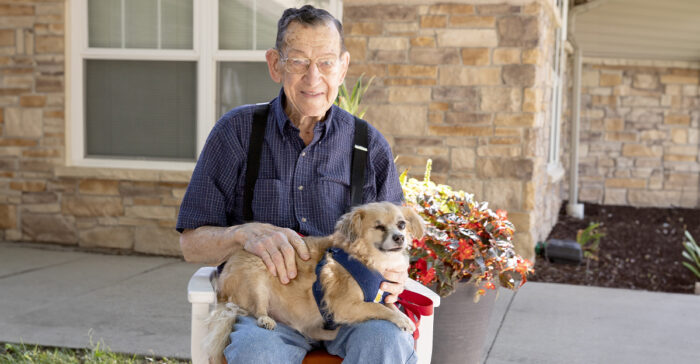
point(333, 198)
point(271, 202)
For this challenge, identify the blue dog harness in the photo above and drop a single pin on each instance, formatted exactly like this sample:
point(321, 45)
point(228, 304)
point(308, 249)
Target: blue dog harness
point(368, 279)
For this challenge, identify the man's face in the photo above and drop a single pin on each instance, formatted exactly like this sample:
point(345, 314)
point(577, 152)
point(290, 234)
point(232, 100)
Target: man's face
point(309, 94)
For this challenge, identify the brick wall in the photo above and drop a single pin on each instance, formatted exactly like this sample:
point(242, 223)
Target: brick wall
point(640, 134)
point(466, 84)
point(40, 198)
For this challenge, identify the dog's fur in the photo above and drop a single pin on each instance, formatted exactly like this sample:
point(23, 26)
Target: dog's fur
point(378, 234)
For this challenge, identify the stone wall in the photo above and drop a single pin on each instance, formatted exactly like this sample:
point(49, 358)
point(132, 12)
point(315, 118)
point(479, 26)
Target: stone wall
point(466, 84)
point(640, 134)
point(41, 200)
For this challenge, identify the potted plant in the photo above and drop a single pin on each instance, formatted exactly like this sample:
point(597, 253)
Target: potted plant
point(466, 250)
point(692, 255)
point(350, 101)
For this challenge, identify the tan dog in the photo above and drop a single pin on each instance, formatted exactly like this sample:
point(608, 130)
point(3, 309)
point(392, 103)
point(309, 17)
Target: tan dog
point(377, 234)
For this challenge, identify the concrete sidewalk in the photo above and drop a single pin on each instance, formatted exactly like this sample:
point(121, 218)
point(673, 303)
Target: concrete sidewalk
point(58, 297)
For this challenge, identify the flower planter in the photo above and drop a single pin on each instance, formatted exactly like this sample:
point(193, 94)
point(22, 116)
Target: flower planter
point(697, 288)
point(461, 326)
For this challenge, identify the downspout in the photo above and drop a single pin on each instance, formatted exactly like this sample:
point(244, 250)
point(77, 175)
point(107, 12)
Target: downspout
point(573, 208)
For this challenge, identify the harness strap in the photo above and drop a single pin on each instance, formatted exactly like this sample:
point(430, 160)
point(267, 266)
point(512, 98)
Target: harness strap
point(368, 279)
point(317, 289)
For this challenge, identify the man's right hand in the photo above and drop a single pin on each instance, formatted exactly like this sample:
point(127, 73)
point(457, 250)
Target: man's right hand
point(276, 246)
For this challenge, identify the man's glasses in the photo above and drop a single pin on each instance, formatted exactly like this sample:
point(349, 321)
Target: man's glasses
point(326, 65)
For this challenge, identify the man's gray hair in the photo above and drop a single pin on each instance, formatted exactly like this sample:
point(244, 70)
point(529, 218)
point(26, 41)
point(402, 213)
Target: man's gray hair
point(310, 16)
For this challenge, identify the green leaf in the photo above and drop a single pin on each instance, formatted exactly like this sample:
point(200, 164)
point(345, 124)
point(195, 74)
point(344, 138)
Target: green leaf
point(692, 269)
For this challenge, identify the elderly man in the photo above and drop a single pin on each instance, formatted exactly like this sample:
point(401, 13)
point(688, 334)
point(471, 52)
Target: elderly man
point(303, 185)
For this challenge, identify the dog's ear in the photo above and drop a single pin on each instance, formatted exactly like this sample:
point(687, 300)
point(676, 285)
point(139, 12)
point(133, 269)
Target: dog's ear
point(350, 224)
point(416, 226)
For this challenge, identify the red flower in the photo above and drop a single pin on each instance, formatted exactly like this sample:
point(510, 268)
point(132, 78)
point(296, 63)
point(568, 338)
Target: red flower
point(421, 265)
point(428, 277)
point(418, 243)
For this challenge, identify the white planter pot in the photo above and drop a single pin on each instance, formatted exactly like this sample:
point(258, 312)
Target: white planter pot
point(461, 326)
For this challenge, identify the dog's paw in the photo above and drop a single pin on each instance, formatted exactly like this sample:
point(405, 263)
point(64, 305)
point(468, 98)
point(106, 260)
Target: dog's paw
point(404, 323)
point(266, 322)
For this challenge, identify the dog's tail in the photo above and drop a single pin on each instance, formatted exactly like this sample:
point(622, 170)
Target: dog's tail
point(220, 323)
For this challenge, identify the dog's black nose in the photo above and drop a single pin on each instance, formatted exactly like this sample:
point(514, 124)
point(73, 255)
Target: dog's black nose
point(398, 238)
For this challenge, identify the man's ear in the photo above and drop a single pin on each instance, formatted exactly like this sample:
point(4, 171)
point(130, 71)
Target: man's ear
point(350, 224)
point(416, 225)
point(274, 64)
point(345, 57)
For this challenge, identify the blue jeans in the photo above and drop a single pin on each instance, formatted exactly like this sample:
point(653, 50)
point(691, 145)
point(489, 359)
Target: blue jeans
point(375, 342)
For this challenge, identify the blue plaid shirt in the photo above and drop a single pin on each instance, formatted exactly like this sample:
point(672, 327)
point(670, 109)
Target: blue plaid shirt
point(304, 188)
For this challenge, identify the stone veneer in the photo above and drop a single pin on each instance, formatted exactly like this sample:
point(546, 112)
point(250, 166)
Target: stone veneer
point(41, 199)
point(467, 84)
point(640, 127)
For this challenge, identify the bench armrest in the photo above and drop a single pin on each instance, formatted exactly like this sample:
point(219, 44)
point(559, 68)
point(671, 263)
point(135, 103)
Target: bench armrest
point(202, 286)
point(201, 292)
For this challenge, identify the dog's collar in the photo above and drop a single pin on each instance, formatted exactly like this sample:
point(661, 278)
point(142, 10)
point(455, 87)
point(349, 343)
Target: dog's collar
point(369, 280)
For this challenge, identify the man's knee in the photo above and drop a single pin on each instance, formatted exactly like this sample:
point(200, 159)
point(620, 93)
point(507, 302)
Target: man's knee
point(381, 339)
point(383, 332)
point(255, 345)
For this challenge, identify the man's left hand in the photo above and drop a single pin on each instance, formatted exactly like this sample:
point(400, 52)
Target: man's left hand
point(398, 277)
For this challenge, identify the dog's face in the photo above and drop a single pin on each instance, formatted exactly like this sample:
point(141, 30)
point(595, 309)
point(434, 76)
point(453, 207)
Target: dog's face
point(379, 228)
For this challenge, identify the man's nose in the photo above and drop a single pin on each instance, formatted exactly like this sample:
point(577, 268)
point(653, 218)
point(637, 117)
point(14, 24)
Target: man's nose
point(313, 72)
point(397, 238)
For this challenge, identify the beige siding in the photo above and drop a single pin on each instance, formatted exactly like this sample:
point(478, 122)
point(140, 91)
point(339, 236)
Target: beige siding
point(645, 29)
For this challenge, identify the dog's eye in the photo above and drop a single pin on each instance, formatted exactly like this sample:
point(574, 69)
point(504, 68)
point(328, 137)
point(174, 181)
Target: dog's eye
point(401, 225)
point(380, 228)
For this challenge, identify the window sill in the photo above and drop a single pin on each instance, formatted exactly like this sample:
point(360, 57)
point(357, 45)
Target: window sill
point(125, 174)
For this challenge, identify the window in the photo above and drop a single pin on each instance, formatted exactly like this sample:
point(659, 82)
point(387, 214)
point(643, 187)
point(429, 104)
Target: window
point(558, 67)
point(149, 78)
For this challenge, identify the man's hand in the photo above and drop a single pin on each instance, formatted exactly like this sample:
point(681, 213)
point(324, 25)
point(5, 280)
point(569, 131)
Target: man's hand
point(394, 289)
point(276, 246)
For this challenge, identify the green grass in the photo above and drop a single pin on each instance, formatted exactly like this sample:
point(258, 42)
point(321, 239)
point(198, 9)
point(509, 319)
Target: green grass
point(28, 354)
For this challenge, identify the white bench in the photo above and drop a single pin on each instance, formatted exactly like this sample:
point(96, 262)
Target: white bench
point(201, 292)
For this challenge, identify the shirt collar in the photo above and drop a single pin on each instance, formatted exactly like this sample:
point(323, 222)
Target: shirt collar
point(281, 118)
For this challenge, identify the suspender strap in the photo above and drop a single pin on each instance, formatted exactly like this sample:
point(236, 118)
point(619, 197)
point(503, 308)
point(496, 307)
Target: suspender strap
point(257, 135)
point(359, 160)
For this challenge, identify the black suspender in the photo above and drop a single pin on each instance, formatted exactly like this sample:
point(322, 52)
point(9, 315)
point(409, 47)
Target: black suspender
point(257, 134)
point(359, 160)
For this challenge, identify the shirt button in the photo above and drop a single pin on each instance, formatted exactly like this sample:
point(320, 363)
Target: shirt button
point(303, 154)
point(303, 219)
point(301, 188)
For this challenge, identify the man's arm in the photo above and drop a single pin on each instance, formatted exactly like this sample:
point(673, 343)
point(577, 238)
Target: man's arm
point(274, 245)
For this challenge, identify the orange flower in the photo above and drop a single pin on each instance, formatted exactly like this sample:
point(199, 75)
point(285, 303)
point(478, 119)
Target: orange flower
point(464, 251)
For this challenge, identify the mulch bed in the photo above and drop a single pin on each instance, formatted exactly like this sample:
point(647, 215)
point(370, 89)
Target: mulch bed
point(641, 249)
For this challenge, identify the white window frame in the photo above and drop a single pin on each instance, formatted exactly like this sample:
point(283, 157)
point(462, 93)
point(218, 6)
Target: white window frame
point(204, 52)
point(554, 166)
